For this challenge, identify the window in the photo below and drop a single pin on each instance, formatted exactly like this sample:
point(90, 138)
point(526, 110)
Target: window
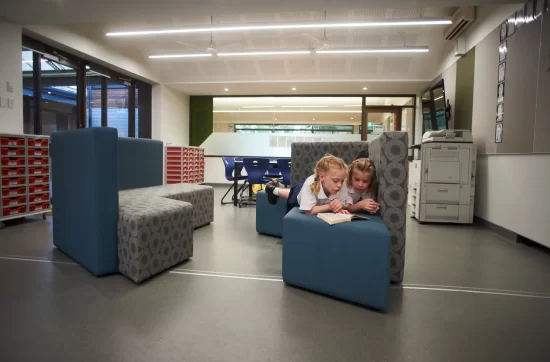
point(292, 128)
point(63, 92)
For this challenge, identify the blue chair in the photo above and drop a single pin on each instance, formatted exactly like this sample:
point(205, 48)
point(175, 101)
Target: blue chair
point(256, 169)
point(283, 164)
point(273, 170)
point(229, 163)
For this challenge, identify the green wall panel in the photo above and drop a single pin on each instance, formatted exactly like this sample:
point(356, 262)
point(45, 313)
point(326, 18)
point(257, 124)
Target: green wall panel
point(201, 119)
point(464, 97)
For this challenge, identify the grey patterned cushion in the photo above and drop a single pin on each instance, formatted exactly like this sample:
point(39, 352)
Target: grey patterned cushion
point(390, 156)
point(154, 234)
point(201, 197)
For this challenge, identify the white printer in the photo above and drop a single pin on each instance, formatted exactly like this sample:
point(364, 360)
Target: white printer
point(442, 181)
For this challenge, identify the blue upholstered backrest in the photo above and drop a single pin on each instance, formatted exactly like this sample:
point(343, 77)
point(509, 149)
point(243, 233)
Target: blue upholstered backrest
point(139, 163)
point(85, 196)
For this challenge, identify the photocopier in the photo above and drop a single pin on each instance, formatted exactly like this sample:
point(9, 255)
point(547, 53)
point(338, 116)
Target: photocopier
point(442, 181)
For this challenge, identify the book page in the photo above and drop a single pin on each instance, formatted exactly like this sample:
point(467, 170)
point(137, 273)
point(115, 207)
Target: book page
point(331, 217)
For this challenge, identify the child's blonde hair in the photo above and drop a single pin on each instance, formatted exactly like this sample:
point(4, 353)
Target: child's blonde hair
point(323, 165)
point(364, 165)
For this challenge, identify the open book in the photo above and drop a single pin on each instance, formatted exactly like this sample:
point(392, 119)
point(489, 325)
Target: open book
point(332, 219)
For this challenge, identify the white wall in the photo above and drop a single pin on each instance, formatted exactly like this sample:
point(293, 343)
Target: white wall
point(170, 113)
point(512, 192)
point(11, 119)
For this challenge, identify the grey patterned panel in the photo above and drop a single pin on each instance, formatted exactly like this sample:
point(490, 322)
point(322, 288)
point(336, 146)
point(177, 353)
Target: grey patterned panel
point(304, 156)
point(389, 153)
point(390, 156)
point(201, 197)
point(154, 234)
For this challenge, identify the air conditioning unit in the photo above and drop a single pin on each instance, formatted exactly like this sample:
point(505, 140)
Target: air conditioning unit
point(462, 18)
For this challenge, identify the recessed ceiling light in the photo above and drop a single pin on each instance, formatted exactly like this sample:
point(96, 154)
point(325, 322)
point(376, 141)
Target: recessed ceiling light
point(314, 119)
point(226, 89)
point(49, 92)
point(364, 88)
point(275, 118)
point(293, 88)
point(303, 106)
point(302, 25)
point(351, 117)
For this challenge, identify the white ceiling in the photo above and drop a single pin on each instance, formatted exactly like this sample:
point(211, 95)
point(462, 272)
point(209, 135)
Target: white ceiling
point(310, 74)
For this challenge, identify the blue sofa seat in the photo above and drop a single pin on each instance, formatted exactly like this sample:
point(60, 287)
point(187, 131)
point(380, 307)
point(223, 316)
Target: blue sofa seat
point(269, 218)
point(349, 261)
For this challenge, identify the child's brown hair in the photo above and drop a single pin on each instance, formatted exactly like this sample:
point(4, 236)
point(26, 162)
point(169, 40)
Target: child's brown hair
point(364, 165)
point(323, 165)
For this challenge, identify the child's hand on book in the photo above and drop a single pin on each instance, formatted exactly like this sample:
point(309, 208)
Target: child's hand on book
point(336, 206)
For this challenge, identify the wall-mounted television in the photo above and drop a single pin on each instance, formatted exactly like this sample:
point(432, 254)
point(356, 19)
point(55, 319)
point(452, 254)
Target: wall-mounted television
point(434, 110)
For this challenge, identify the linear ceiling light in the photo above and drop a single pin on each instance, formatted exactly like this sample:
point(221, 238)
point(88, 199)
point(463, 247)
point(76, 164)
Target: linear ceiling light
point(257, 106)
point(168, 56)
point(282, 26)
point(374, 50)
point(282, 111)
point(304, 106)
point(273, 52)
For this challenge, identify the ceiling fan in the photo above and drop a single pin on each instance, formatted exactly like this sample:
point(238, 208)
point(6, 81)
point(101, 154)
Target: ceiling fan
point(212, 47)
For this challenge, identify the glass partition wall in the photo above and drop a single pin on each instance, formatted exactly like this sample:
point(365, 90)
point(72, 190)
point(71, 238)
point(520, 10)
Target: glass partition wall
point(315, 115)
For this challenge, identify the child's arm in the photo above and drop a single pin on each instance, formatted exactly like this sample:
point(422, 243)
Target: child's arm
point(317, 209)
point(368, 205)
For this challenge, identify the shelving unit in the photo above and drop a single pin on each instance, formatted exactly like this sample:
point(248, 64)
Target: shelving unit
point(184, 164)
point(24, 176)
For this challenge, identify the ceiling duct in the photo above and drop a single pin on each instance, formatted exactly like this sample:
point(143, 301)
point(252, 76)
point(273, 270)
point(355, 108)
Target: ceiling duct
point(462, 18)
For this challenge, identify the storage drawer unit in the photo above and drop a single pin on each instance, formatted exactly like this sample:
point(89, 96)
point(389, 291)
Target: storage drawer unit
point(24, 176)
point(184, 164)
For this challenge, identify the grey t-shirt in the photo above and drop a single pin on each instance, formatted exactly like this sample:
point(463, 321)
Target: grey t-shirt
point(356, 196)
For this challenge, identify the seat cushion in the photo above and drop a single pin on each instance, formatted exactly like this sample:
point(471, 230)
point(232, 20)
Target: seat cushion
point(350, 261)
point(269, 218)
point(154, 234)
point(200, 196)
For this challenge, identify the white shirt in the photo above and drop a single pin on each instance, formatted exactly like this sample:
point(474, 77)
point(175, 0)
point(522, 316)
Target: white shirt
point(355, 196)
point(307, 199)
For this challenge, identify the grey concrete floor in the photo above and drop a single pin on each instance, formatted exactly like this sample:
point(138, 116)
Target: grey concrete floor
point(468, 295)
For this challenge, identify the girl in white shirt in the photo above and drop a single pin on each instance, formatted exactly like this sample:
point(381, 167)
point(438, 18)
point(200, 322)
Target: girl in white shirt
point(324, 191)
point(362, 186)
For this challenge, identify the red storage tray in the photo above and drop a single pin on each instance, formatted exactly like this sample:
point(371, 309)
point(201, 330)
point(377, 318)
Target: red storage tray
point(13, 171)
point(13, 181)
point(39, 189)
point(13, 192)
point(38, 152)
point(12, 141)
point(14, 201)
point(36, 198)
point(37, 142)
point(14, 211)
point(38, 170)
point(38, 180)
point(13, 162)
point(38, 207)
point(38, 161)
point(12, 152)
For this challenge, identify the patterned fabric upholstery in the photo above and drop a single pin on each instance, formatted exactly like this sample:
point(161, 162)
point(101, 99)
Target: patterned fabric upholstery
point(390, 156)
point(155, 226)
point(389, 153)
point(201, 197)
point(154, 234)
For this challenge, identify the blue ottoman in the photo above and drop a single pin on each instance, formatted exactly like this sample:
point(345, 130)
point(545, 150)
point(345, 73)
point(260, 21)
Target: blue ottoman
point(350, 261)
point(269, 218)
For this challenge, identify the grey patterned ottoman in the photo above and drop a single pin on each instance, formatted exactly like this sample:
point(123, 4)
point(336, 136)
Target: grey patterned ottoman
point(201, 197)
point(154, 234)
point(155, 227)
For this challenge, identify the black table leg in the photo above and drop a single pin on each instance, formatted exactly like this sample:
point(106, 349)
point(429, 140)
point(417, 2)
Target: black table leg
point(235, 185)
